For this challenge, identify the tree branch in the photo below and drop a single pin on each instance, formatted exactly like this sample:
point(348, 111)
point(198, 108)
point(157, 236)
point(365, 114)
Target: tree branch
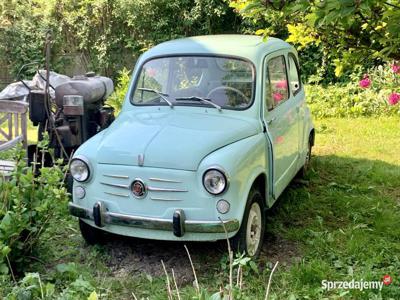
point(366, 21)
point(392, 5)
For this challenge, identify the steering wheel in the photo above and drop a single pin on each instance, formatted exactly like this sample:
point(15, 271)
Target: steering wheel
point(229, 88)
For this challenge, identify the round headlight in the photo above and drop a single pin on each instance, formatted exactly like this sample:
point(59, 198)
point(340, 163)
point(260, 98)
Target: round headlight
point(214, 181)
point(79, 170)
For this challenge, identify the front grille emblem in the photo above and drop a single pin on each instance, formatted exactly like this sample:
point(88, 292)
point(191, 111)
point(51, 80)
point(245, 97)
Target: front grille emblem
point(141, 160)
point(138, 188)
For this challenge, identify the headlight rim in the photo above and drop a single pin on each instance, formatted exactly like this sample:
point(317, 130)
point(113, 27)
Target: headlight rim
point(224, 174)
point(85, 160)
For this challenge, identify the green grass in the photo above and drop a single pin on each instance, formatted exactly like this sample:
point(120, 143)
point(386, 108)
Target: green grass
point(342, 224)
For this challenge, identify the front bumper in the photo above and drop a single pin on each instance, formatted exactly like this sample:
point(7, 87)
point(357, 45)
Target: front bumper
point(177, 224)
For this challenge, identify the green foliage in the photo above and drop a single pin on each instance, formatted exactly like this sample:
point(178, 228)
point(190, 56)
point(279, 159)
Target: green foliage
point(27, 205)
point(109, 35)
point(349, 33)
point(23, 27)
point(350, 100)
point(117, 98)
point(31, 286)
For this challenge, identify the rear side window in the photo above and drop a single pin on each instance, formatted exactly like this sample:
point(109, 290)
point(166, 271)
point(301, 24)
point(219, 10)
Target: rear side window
point(276, 82)
point(294, 75)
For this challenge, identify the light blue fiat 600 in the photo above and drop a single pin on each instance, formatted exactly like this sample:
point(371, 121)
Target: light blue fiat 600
point(211, 132)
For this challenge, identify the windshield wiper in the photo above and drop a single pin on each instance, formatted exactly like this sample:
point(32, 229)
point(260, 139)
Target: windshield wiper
point(197, 98)
point(162, 95)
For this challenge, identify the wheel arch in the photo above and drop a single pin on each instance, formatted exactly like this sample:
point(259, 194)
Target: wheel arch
point(312, 136)
point(261, 183)
point(259, 180)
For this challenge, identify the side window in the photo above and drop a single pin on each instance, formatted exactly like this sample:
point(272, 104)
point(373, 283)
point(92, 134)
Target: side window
point(276, 83)
point(295, 82)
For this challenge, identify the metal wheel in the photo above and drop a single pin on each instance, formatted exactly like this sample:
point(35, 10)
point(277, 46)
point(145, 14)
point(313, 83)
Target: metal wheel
point(254, 229)
point(250, 236)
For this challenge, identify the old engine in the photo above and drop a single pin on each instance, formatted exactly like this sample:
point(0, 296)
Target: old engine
point(76, 113)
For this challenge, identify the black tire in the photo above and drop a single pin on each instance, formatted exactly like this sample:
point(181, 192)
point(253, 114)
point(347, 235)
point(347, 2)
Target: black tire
point(240, 242)
point(304, 169)
point(91, 234)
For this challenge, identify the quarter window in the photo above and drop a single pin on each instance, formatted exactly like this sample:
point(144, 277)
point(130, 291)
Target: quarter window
point(276, 83)
point(295, 83)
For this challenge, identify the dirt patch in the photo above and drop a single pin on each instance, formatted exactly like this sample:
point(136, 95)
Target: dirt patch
point(276, 248)
point(130, 256)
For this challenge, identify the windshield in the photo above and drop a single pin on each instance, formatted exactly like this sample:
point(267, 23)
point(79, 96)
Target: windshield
point(195, 80)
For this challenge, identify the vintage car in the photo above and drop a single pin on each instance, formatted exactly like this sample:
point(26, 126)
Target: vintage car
point(212, 130)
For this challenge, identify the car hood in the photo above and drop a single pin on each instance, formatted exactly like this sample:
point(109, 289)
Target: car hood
point(174, 140)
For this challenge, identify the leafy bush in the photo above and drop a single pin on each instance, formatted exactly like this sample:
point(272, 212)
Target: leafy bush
point(369, 97)
point(107, 35)
point(32, 286)
point(117, 98)
point(349, 34)
point(27, 204)
point(348, 101)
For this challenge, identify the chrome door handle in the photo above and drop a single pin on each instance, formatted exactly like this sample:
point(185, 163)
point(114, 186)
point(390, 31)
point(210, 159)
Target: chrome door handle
point(271, 120)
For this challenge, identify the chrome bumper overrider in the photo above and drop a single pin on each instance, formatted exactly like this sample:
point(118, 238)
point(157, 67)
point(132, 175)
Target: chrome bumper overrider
point(178, 224)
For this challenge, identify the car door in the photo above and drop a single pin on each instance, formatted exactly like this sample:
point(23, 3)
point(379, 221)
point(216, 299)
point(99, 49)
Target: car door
point(281, 119)
point(297, 92)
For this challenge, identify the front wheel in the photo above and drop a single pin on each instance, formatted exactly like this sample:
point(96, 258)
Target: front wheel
point(250, 236)
point(90, 234)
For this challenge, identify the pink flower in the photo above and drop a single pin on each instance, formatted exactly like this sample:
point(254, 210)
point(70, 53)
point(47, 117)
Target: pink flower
point(281, 84)
point(396, 68)
point(277, 97)
point(394, 98)
point(365, 83)
point(151, 72)
point(280, 139)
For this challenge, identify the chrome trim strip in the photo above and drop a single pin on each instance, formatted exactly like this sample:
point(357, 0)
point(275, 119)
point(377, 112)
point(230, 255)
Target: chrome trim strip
point(164, 199)
point(116, 194)
point(124, 186)
point(116, 176)
point(156, 189)
point(230, 225)
point(164, 180)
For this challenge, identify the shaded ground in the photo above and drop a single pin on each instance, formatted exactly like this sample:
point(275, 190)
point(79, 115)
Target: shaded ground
point(130, 256)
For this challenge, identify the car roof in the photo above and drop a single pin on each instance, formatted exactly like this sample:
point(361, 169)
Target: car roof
point(252, 47)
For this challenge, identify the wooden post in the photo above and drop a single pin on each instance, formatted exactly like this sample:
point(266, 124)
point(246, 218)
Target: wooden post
point(24, 130)
point(16, 112)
